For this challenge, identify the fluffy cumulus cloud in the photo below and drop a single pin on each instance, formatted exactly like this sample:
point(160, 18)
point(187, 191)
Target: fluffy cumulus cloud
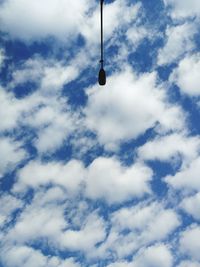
point(24, 255)
point(187, 178)
point(102, 177)
point(177, 146)
point(38, 21)
point(128, 106)
point(91, 233)
point(152, 256)
point(50, 75)
point(136, 227)
point(186, 76)
point(179, 40)
point(9, 204)
point(59, 230)
point(191, 205)
point(36, 174)
point(108, 179)
point(10, 110)
point(182, 9)
point(54, 123)
point(51, 116)
point(189, 242)
point(11, 153)
point(64, 20)
point(28, 226)
point(115, 19)
point(99, 175)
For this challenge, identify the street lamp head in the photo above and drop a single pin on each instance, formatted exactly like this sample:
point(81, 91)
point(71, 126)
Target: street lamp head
point(102, 77)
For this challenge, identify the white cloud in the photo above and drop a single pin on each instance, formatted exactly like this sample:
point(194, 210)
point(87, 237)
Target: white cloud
point(189, 264)
point(187, 178)
point(92, 232)
point(11, 153)
point(53, 195)
point(53, 125)
point(138, 226)
point(62, 227)
point(114, 15)
point(186, 75)
point(65, 74)
point(50, 75)
point(101, 178)
point(190, 242)
point(127, 106)
point(14, 110)
point(62, 19)
point(28, 226)
point(176, 145)
point(109, 180)
point(30, 70)
point(23, 256)
point(192, 206)
point(10, 110)
point(146, 219)
point(36, 174)
point(8, 205)
point(46, 110)
point(114, 20)
point(135, 34)
point(154, 256)
point(179, 40)
point(183, 9)
point(52, 119)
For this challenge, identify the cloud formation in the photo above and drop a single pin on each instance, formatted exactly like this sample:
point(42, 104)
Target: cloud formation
point(99, 176)
point(128, 106)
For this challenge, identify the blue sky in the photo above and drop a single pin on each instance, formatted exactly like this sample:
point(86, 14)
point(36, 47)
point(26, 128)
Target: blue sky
point(99, 176)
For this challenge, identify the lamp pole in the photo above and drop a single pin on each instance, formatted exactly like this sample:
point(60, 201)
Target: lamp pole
point(102, 73)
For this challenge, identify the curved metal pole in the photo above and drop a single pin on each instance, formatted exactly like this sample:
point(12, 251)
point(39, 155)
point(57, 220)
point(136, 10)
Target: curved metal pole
point(102, 73)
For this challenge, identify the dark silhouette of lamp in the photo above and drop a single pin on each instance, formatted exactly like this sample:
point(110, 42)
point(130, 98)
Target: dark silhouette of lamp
point(102, 73)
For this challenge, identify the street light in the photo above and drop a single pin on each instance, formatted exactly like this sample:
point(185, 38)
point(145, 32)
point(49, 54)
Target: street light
point(102, 73)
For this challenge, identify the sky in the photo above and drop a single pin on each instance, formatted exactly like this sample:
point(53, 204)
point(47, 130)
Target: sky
point(99, 176)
